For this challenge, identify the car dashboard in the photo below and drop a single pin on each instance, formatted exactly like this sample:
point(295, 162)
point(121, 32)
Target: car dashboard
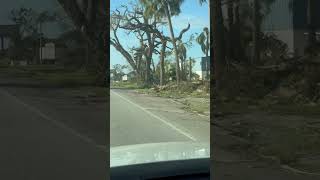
point(194, 169)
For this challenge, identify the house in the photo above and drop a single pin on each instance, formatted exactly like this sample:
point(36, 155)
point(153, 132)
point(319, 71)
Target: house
point(200, 73)
point(125, 77)
point(52, 51)
point(8, 34)
point(288, 20)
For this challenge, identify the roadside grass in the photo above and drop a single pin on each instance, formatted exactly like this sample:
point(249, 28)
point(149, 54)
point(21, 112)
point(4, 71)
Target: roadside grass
point(194, 97)
point(172, 90)
point(50, 75)
point(288, 132)
point(290, 144)
point(66, 79)
point(90, 92)
point(14, 72)
point(198, 105)
point(125, 85)
point(43, 68)
point(247, 105)
point(295, 109)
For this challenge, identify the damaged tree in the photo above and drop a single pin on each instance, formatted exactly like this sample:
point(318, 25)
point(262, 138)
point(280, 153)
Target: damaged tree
point(90, 17)
point(145, 28)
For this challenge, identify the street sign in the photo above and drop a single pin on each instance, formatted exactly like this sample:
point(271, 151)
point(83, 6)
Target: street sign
point(205, 63)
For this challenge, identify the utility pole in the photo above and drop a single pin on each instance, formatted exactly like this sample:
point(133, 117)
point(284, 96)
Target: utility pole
point(190, 69)
point(40, 41)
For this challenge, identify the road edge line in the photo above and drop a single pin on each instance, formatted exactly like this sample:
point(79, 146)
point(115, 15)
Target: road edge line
point(157, 117)
point(55, 122)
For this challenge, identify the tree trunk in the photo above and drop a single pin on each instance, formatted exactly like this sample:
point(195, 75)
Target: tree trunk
point(207, 55)
point(190, 69)
point(162, 56)
point(218, 44)
point(166, 8)
point(87, 59)
point(256, 32)
point(230, 32)
point(237, 33)
point(148, 64)
point(311, 28)
point(182, 70)
point(40, 43)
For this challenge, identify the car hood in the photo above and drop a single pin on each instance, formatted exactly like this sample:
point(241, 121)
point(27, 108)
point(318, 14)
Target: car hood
point(157, 152)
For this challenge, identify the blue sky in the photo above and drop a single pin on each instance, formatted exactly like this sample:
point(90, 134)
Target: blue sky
point(191, 12)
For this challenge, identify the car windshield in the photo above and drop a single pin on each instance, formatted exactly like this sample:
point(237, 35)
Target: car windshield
point(159, 70)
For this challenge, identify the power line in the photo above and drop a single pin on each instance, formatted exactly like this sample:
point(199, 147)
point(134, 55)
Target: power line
point(196, 57)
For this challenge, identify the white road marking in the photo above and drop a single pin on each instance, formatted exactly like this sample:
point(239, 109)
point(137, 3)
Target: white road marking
point(157, 117)
point(55, 122)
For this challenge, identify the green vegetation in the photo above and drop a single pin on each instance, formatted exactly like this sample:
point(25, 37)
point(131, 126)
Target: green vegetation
point(125, 85)
point(198, 105)
point(178, 91)
point(67, 79)
point(50, 75)
point(194, 96)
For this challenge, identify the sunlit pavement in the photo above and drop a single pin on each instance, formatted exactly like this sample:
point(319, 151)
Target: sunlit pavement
point(138, 119)
point(33, 146)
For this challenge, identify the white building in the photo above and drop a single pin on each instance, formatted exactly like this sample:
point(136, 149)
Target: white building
point(48, 54)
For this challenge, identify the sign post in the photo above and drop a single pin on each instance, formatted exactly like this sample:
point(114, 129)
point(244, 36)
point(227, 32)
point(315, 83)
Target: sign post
point(205, 67)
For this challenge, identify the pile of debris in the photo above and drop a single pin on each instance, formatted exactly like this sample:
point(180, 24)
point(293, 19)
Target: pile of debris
point(294, 79)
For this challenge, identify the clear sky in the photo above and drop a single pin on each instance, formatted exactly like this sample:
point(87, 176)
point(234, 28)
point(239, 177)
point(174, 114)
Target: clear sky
point(191, 12)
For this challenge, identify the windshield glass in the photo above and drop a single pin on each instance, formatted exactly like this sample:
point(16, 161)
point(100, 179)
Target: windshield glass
point(159, 70)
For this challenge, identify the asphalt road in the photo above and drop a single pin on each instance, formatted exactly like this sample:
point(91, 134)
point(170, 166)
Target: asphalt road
point(34, 146)
point(138, 119)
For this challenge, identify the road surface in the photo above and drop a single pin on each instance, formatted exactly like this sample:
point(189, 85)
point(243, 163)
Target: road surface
point(35, 146)
point(138, 119)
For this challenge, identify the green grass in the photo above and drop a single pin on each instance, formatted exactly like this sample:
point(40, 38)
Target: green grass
point(294, 109)
point(289, 143)
point(15, 72)
point(125, 85)
point(50, 75)
point(193, 100)
point(66, 79)
point(43, 68)
point(90, 91)
point(199, 105)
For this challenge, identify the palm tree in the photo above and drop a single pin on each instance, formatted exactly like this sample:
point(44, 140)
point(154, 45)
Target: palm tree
point(204, 41)
point(191, 62)
point(201, 2)
point(204, 38)
point(231, 33)
point(257, 18)
point(311, 28)
point(165, 9)
point(238, 50)
point(218, 44)
point(256, 32)
point(162, 63)
point(182, 52)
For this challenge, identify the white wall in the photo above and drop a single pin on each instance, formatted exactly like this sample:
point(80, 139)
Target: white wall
point(48, 52)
